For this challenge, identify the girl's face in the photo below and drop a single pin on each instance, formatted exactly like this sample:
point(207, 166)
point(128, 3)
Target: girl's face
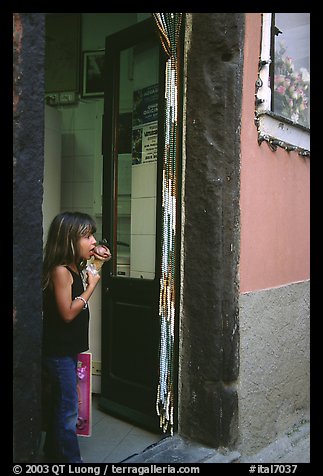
point(86, 246)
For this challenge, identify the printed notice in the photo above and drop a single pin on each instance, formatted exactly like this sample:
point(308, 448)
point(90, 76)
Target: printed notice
point(145, 125)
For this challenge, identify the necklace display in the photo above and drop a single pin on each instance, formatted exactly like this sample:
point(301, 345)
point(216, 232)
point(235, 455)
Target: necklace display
point(169, 28)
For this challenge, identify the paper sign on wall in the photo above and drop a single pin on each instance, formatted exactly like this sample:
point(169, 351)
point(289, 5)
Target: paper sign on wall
point(145, 125)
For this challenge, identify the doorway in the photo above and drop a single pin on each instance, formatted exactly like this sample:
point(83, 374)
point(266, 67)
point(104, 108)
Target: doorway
point(132, 167)
point(114, 137)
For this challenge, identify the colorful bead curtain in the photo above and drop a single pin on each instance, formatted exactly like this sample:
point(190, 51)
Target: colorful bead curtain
point(169, 28)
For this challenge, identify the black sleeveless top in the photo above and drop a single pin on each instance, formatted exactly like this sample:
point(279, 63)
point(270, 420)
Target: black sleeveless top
point(59, 337)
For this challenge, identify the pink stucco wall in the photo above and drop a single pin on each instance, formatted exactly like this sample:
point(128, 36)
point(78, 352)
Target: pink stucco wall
point(275, 194)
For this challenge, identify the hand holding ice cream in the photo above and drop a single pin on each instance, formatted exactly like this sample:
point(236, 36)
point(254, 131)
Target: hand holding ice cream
point(101, 254)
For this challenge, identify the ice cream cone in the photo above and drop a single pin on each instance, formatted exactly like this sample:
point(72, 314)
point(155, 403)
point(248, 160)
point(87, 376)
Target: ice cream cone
point(98, 262)
point(101, 254)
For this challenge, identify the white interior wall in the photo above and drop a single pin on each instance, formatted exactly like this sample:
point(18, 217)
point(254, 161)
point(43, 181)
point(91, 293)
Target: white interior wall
point(52, 167)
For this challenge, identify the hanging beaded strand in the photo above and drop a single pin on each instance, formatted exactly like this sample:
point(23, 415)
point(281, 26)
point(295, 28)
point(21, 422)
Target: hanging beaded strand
point(169, 28)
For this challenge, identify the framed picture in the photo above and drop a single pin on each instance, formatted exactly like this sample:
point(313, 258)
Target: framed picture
point(93, 73)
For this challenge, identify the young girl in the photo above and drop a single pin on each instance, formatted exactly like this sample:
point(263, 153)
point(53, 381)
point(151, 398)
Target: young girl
point(70, 244)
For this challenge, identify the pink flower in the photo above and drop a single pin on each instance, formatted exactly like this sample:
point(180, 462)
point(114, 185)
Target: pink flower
point(281, 89)
point(279, 78)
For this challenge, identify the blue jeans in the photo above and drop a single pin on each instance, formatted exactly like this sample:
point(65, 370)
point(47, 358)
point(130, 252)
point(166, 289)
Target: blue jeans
point(61, 443)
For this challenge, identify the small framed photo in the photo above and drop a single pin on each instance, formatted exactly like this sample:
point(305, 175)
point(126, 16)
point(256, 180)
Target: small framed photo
point(93, 73)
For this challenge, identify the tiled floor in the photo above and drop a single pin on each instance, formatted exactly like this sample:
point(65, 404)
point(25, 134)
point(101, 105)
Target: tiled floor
point(113, 440)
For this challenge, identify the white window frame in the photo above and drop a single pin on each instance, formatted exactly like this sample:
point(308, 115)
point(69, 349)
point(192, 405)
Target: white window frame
point(276, 130)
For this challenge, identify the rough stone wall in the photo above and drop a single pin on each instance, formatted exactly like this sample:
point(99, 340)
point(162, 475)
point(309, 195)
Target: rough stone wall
point(274, 383)
point(28, 139)
point(209, 332)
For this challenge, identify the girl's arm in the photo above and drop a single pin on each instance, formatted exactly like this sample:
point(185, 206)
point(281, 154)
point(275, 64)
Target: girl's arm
point(62, 282)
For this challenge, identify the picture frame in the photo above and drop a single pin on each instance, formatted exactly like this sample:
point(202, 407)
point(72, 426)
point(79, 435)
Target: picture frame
point(93, 73)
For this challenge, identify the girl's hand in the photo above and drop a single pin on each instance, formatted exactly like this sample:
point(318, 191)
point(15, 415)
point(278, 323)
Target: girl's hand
point(93, 279)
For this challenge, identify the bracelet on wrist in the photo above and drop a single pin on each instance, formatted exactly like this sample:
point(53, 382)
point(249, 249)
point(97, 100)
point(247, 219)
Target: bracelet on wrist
point(82, 299)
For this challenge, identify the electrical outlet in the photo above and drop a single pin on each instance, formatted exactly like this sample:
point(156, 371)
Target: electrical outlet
point(96, 367)
point(67, 98)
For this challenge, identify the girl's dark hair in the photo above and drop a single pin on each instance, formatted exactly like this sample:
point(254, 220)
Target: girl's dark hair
point(61, 247)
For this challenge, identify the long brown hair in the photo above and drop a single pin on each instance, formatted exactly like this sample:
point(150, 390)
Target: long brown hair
point(61, 247)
